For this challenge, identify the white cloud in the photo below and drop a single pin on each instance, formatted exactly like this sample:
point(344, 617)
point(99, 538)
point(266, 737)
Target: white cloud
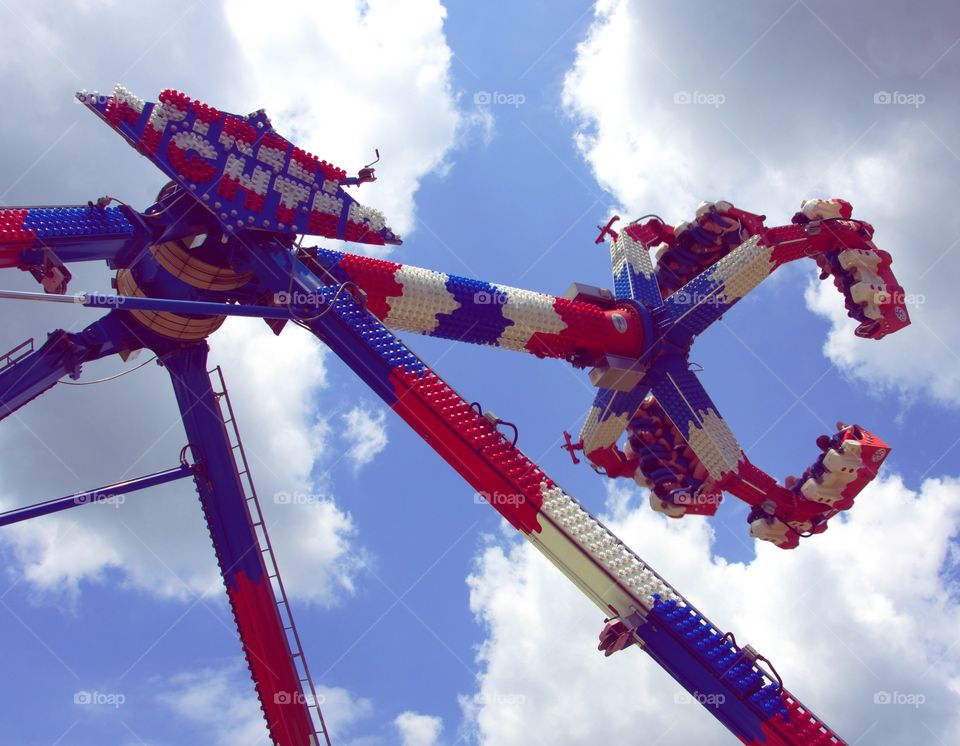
point(869, 606)
point(216, 700)
point(157, 538)
point(366, 433)
point(221, 702)
point(418, 730)
point(342, 79)
point(796, 120)
point(342, 711)
point(274, 384)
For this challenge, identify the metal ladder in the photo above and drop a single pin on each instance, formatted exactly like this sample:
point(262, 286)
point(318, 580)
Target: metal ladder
point(266, 550)
point(15, 355)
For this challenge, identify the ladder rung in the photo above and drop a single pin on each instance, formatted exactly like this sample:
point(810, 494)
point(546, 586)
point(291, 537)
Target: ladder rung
point(256, 521)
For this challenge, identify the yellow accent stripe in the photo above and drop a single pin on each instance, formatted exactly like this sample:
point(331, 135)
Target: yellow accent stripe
point(170, 325)
point(174, 258)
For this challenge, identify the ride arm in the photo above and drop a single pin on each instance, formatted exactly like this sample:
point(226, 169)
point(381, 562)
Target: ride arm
point(704, 661)
point(42, 240)
point(411, 299)
point(24, 377)
point(824, 230)
point(783, 513)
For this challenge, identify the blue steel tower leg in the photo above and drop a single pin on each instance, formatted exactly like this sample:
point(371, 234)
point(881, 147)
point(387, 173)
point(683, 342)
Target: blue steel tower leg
point(238, 550)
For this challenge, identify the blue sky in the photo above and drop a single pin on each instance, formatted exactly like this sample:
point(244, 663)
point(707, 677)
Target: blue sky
point(424, 620)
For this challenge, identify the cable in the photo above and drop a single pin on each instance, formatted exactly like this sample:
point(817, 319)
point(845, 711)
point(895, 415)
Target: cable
point(497, 421)
point(644, 217)
point(516, 431)
point(108, 378)
point(773, 670)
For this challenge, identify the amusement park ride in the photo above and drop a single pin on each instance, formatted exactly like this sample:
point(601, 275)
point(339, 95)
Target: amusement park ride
point(222, 239)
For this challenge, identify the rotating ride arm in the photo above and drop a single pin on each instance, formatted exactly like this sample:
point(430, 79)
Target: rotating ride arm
point(23, 378)
point(43, 240)
point(678, 444)
point(781, 513)
point(824, 230)
point(643, 608)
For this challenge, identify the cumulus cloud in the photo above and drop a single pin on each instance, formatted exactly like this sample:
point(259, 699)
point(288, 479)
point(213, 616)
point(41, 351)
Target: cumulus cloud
point(776, 104)
point(870, 607)
point(157, 538)
point(221, 703)
point(342, 79)
point(215, 700)
point(366, 433)
point(418, 730)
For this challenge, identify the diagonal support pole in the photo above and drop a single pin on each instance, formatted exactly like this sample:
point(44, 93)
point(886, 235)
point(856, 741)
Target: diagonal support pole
point(99, 494)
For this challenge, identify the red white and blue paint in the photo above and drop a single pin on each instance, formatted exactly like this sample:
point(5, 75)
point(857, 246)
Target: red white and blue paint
point(221, 241)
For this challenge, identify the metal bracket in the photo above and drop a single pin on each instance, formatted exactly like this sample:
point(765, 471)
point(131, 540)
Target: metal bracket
point(618, 373)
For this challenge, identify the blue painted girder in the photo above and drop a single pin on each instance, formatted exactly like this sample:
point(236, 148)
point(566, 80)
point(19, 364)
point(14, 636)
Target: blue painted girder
point(63, 354)
point(683, 398)
point(703, 300)
point(74, 233)
point(633, 275)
